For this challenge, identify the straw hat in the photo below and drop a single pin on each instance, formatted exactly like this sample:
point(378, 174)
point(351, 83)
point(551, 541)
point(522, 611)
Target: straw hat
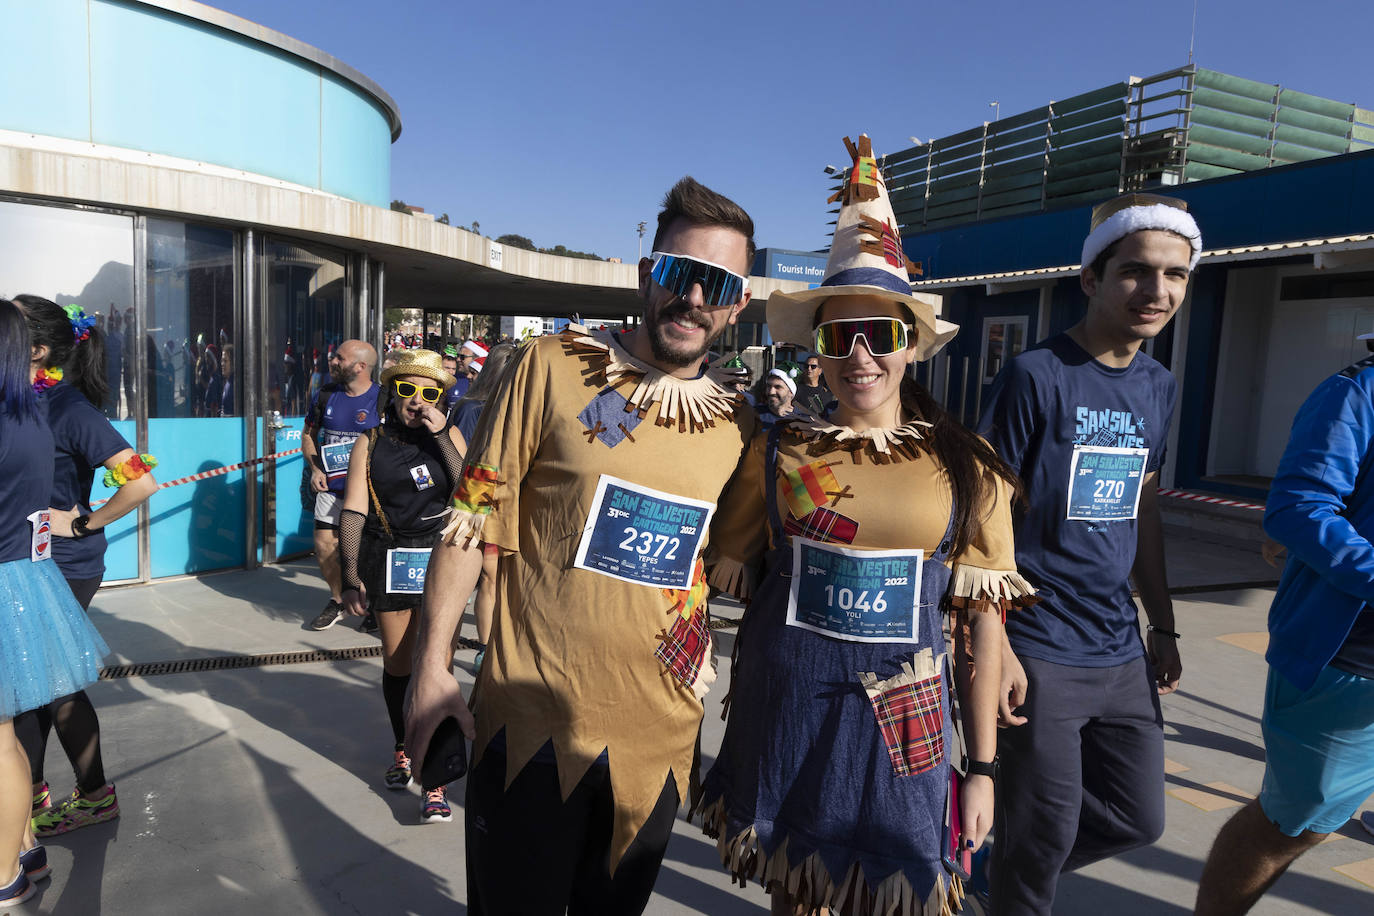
point(425, 363)
point(866, 258)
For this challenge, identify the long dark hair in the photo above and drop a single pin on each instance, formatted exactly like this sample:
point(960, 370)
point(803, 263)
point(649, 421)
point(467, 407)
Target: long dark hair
point(967, 459)
point(487, 381)
point(16, 388)
point(82, 362)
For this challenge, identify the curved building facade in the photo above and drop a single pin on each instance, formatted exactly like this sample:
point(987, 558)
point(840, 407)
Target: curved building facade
point(217, 194)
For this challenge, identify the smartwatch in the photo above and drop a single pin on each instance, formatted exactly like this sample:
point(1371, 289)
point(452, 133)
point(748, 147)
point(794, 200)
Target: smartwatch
point(79, 527)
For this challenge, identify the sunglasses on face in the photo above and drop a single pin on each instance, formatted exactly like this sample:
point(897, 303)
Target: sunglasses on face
point(428, 393)
point(678, 273)
point(882, 336)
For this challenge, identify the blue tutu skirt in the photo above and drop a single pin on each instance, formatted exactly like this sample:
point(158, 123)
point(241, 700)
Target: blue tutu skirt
point(48, 647)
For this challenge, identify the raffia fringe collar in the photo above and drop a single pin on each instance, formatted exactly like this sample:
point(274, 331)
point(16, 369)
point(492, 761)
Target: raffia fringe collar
point(692, 404)
point(883, 445)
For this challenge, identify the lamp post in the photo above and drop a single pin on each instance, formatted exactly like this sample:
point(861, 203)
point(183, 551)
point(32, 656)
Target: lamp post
point(641, 241)
point(996, 107)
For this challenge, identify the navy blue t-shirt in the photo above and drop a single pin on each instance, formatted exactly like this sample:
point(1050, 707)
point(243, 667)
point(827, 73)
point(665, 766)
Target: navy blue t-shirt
point(345, 417)
point(466, 417)
point(1082, 436)
point(25, 481)
point(84, 440)
point(1356, 655)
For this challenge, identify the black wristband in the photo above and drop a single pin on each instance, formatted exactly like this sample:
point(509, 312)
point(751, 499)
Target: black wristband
point(1163, 632)
point(80, 527)
point(981, 767)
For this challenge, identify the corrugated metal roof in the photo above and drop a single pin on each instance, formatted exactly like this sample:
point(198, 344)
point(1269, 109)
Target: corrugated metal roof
point(1215, 256)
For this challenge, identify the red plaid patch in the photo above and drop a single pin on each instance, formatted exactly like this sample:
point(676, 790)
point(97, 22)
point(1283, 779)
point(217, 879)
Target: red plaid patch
point(682, 649)
point(822, 525)
point(913, 725)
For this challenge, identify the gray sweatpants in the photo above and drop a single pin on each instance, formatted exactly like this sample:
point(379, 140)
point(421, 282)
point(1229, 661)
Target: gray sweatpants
point(1082, 780)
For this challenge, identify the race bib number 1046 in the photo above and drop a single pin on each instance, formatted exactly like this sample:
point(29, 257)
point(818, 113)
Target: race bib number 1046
point(643, 536)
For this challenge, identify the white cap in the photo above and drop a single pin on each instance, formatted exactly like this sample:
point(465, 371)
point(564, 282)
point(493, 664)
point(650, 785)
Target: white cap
point(786, 379)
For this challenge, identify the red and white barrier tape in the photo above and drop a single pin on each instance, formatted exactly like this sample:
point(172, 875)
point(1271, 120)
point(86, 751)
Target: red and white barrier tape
point(1212, 500)
point(213, 472)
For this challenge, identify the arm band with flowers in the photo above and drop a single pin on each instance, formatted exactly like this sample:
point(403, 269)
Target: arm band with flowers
point(134, 468)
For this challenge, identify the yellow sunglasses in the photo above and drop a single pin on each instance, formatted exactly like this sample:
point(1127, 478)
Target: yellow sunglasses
point(428, 393)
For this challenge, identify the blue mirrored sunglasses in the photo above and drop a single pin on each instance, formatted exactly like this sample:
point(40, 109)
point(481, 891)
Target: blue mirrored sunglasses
point(678, 273)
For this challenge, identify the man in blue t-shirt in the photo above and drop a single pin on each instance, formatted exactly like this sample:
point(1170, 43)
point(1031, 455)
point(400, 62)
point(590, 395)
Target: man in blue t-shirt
point(1318, 720)
point(1083, 417)
point(344, 408)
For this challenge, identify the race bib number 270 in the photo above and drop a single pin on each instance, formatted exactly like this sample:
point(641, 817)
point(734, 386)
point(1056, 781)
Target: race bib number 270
point(643, 536)
point(1104, 482)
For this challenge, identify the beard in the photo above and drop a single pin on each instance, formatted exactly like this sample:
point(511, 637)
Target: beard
point(676, 354)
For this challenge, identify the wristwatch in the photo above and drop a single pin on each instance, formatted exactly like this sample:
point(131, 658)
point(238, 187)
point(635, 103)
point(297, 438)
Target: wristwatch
point(79, 527)
point(981, 767)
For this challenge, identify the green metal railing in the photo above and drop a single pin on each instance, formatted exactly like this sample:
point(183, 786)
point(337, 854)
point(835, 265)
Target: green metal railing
point(1186, 124)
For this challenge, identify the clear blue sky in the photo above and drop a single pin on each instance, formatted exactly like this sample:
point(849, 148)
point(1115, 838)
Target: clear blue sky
point(566, 122)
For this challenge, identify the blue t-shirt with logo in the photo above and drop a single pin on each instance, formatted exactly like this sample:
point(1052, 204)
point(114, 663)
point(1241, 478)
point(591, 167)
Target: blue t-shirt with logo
point(83, 441)
point(26, 469)
point(344, 417)
point(1082, 436)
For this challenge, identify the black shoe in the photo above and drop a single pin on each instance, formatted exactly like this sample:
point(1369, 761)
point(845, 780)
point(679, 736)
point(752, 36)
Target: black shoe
point(328, 617)
point(369, 624)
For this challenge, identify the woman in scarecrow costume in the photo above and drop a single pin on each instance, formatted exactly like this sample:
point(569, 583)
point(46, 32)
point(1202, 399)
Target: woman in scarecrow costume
point(874, 549)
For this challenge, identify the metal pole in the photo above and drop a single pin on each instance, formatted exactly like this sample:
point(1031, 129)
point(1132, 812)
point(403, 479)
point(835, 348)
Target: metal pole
point(963, 390)
point(139, 407)
point(253, 383)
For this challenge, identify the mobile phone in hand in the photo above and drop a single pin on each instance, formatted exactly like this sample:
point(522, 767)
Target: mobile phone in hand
point(446, 759)
point(957, 856)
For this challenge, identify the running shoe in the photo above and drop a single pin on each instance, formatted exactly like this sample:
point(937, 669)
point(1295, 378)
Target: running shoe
point(398, 776)
point(42, 800)
point(477, 660)
point(369, 624)
point(329, 616)
point(77, 811)
point(17, 891)
point(35, 863)
point(1367, 821)
point(435, 809)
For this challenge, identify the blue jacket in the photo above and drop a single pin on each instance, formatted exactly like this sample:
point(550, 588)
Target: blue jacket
point(1321, 507)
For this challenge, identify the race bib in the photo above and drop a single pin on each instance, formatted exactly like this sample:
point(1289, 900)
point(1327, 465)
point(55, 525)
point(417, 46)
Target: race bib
point(335, 457)
point(856, 595)
point(41, 546)
point(405, 570)
point(643, 536)
point(1104, 482)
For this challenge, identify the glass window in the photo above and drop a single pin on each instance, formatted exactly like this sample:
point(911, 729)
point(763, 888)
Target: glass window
point(192, 370)
point(1003, 338)
point(304, 292)
point(77, 256)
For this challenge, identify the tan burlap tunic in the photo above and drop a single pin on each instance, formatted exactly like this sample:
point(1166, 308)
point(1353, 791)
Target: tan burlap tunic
point(572, 657)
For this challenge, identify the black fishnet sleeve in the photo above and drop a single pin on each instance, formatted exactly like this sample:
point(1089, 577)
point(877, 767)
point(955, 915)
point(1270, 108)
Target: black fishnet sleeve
point(350, 540)
point(448, 454)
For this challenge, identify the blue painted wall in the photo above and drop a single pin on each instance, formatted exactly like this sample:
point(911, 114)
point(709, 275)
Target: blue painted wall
point(197, 527)
point(133, 76)
point(121, 551)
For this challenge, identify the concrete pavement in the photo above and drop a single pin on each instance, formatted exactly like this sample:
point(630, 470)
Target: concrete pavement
point(259, 789)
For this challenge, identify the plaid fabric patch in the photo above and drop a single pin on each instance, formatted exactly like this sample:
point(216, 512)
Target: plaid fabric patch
point(823, 525)
point(913, 724)
point(682, 648)
point(475, 493)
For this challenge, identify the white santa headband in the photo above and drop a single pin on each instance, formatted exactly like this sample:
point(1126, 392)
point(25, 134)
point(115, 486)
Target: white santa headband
point(1118, 218)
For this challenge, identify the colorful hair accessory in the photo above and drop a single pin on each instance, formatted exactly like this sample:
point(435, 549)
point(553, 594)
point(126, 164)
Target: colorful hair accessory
point(46, 378)
point(132, 469)
point(81, 322)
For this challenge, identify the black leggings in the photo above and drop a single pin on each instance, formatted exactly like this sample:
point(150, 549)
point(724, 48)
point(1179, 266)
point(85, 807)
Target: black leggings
point(530, 852)
point(78, 728)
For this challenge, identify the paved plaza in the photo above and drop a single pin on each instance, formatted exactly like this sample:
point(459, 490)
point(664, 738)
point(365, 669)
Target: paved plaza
point(258, 790)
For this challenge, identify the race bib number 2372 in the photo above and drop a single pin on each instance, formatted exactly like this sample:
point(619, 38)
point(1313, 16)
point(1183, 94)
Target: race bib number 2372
point(643, 536)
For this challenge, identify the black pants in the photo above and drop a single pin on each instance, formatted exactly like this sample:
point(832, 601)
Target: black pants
point(531, 853)
point(1082, 780)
